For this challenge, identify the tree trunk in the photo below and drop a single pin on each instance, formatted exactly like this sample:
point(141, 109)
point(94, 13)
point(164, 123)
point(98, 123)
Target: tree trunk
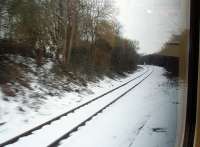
point(65, 47)
point(70, 43)
point(70, 31)
point(39, 55)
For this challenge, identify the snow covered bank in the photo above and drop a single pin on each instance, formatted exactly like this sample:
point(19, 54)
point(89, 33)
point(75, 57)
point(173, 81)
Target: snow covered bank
point(145, 117)
point(40, 102)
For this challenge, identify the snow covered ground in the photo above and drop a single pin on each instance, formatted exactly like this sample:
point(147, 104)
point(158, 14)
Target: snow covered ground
point(59, 127)
point(145, 117)
point(14, 122)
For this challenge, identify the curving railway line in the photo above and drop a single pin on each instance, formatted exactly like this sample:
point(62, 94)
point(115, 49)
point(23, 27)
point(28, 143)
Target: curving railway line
point(67, 123)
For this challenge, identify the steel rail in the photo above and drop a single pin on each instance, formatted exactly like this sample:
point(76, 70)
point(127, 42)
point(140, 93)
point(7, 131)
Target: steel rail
point(28, 132)
point(65, 136)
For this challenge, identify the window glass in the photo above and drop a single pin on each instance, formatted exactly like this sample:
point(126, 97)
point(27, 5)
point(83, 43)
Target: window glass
point(94, 73)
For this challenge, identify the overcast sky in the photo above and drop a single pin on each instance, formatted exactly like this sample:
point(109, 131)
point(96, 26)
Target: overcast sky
point(151, 22)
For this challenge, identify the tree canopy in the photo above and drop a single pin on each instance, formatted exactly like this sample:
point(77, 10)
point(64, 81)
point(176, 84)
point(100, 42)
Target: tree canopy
point(66, 30)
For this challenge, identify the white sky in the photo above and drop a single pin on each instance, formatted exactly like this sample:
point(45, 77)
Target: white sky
point(151, 22)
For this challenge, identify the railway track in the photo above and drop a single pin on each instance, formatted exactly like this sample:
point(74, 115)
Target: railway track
point(92, 108)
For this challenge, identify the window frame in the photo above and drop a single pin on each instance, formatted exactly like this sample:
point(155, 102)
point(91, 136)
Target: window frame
point(192, 87)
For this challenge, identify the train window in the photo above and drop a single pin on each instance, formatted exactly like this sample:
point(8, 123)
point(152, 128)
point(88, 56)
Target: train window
point(99, 73)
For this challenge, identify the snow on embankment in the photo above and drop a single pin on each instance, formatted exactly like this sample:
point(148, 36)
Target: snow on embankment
point(139, 119)
point(31, 95)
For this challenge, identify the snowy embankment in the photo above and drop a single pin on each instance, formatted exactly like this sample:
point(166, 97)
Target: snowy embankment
point(68, 122)
point(22, 111)
point(145, 117)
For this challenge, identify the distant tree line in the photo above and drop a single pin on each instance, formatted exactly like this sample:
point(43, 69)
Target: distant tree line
point(81, 32)
point(169, 57)
point(170, 63)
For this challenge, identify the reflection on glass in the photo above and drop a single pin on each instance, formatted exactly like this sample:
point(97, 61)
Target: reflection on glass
point(111, 70)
